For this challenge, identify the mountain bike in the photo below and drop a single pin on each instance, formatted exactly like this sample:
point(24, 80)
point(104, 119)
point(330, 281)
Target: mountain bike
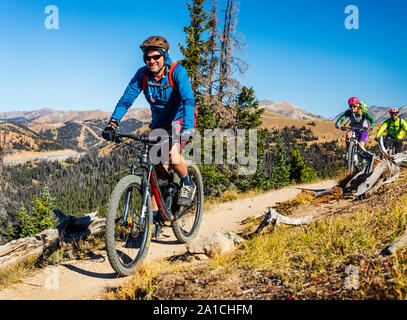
point(356, 152)
point(129, 219)
point(388, 147)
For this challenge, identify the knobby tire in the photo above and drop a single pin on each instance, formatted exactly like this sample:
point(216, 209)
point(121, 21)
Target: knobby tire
point(117, 240)
point(182, 233)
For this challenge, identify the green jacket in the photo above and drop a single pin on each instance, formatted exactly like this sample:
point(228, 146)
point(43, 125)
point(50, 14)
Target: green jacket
point(394, 128)
point(356, 120)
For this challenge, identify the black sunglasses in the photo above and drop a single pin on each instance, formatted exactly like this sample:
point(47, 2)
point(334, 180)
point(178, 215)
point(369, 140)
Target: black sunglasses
point(155, 57)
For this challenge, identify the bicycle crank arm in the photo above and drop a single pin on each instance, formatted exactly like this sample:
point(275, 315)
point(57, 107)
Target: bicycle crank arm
point(185, 210)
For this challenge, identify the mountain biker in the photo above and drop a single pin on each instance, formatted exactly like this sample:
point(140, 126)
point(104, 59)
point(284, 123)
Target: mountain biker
point(359, 117)
point(394, 127)
point(168, 90)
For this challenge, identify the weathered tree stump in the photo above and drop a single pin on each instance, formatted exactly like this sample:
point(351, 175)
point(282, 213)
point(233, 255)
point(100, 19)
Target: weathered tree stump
point(385, 170)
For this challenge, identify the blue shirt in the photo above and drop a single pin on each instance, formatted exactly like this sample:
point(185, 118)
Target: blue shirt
point(167, 105)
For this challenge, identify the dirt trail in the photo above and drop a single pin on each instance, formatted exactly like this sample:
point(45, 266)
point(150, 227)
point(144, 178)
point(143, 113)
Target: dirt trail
point(87, 279)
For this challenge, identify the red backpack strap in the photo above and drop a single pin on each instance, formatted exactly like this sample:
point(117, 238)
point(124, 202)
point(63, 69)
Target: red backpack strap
point(174, 86)
point(144, 80)
point(170, 80)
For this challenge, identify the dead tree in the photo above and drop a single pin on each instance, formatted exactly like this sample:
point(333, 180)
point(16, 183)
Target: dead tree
point(68, 230)
point(211, 54)
point(273, 218)
point(231, 43)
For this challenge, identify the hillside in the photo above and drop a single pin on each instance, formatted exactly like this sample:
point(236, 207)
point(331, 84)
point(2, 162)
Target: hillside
point(283, 262)
point(79, 134)
point(324, 130)
point(78, 130)
point(17, 137)
point(305, 262)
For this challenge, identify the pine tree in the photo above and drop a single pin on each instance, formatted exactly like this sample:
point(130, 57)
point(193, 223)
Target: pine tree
point(194, 59)
point(206, 119)
point(280, 173)
point(248, 116)
point(24, 227)
point(299, 172)
point(42, 210)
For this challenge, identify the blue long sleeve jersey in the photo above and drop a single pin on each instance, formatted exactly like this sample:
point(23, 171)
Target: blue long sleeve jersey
point(167, 105)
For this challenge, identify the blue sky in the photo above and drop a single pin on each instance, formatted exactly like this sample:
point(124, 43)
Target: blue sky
point(298, 51)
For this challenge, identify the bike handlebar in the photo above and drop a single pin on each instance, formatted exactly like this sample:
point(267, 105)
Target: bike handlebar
point(392, 139)
point(144, 139)
point(353, 128)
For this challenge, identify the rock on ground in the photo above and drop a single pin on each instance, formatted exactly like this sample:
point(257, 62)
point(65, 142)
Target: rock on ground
point(211, 244)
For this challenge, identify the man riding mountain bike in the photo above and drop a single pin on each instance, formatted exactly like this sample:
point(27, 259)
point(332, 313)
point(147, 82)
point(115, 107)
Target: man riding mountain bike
point(168, 90)
point(394, 127)
point(359, 117)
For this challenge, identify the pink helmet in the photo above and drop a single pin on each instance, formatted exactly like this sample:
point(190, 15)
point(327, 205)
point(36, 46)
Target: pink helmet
point(394, 110)
point(353, 100)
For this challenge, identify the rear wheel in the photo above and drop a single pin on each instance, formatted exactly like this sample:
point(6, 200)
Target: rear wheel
point(127, 237)
point(187, 227)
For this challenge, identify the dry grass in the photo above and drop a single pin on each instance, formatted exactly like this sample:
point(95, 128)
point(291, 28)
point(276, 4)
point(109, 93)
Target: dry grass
point(303, 253)
point(308, 261)
point(140, 285)
point(15, 274)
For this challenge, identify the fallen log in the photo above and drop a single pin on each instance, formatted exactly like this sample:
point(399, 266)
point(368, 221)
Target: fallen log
point(69, 229)
point(272, 217)
point(398, 243)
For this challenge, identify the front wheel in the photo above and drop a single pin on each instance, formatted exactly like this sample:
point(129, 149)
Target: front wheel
point(127, 236)
point(352, 157)
point(187, 226)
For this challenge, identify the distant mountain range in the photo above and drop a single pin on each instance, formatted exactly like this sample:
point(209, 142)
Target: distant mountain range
point(289, 110)
point(292, 111)
point(51, 116)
